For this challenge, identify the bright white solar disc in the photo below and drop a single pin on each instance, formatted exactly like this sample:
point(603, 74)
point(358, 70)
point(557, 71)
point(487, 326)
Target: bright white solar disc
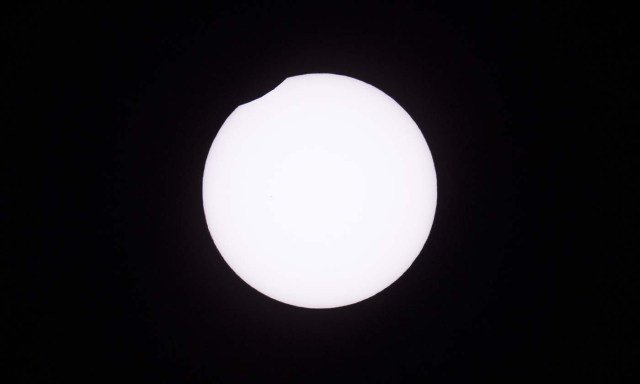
point(321, 193)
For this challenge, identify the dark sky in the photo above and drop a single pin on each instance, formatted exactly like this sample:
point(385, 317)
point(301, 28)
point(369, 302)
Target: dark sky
point(112, 275)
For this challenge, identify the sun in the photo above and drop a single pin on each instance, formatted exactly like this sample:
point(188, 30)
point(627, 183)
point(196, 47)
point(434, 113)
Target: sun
point(321, 193)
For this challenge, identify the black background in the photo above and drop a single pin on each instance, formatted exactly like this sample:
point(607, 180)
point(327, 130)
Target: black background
point(111, 273)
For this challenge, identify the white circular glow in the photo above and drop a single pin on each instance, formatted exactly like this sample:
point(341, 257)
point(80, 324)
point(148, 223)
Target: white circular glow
point(321, 193)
